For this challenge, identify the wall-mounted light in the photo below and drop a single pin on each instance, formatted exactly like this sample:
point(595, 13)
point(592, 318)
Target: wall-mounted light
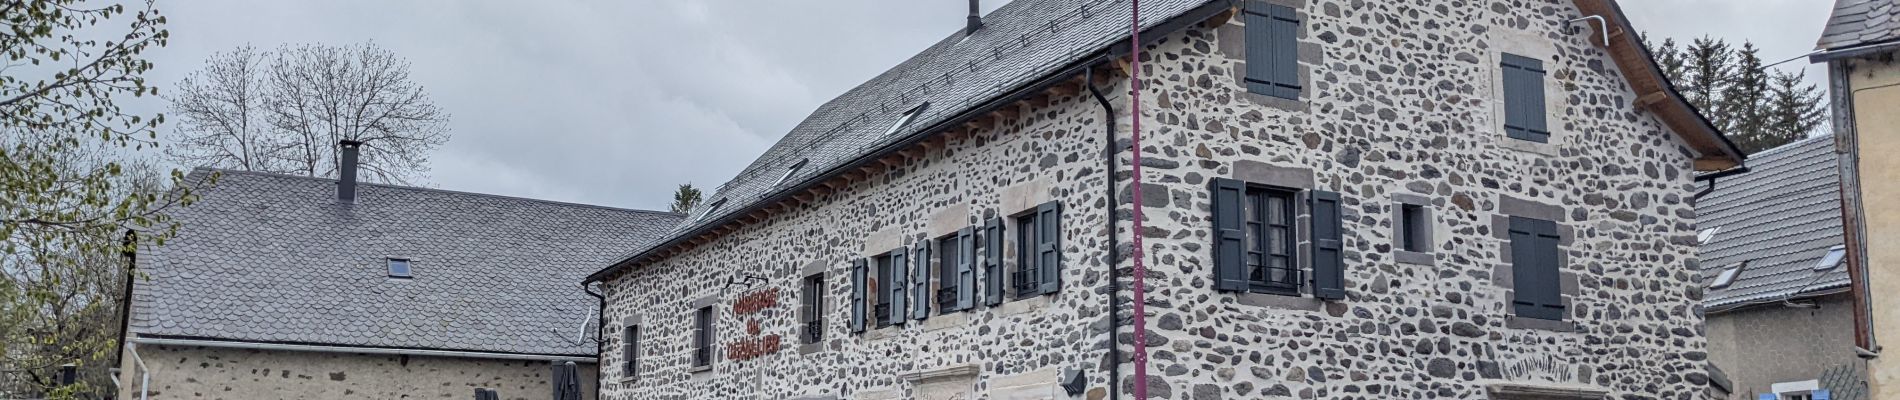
point(744, 281)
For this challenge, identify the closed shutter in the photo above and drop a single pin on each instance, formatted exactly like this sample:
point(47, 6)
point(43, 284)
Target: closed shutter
point(900, 282)
point(920, 282)
point(966, 269)
point(858, 295)
point(1537, 289)
point(993, 261)
point(1329, 264)
point(1230, 239)
point(1273, 50)
point(1049, 247)
point(1524, 113)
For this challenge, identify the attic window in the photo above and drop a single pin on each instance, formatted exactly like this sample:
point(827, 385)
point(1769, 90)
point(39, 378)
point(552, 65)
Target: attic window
point(399, 268)
point(1706, 235)
point(789, 172)
point(1832, 259)
point(710, 209)
point(1727, 276)
point(908, 116)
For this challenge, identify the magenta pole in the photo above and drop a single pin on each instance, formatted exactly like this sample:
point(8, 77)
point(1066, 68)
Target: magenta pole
point(1141, 269)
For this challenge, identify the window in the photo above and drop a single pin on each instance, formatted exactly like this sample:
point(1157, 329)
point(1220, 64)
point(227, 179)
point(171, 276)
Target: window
point(710, 210)
point(1272, 50)
point(789, 172)
point(1038, 252)
point(882, 311)
point(1707, 235)
point(1832, 259)
point(812, 308)
point(1270, 262)
point(1414, 228)
point(630, 352)
point(1727, 276)
point(1524, 99)
point(906, 118)
point(703, 337)
point(399, 268)
point(1536, 269)
point(1255, 240)
point(956, 271)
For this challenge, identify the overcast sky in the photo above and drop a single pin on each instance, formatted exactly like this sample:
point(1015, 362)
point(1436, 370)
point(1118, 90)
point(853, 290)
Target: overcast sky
point(616, 102)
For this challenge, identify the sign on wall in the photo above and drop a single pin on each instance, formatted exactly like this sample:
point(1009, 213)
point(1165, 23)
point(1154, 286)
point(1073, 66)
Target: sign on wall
point(753, 345)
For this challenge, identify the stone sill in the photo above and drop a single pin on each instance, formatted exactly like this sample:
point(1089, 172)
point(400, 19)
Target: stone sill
point(1414, 258)
point(699, 369)
point(1515, 322)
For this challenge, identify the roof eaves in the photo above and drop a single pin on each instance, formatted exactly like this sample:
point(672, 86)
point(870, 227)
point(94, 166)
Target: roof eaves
point(1719, 153)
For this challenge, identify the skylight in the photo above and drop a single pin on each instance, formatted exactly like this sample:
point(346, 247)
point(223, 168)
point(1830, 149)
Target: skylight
point(908, 116)
point(399, 268)
point(1727, 276)
point(790, 171)
point(710, 209)
point(1832, 259)
point(1706, 235)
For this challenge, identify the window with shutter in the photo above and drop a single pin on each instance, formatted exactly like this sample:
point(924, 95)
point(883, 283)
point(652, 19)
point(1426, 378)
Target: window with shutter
point(920, 282)
point(1272, 50)
point(1270, 258)
point(993, 261)
point(956, 278)
point(1524, 113)
point(1329, 260)
point(858, 291)
point(882, 284)
point(1023, 280)
point(1537, 289)
point(1049, 247)
point(630, 352)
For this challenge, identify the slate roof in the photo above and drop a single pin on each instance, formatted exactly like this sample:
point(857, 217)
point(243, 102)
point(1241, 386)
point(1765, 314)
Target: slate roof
point(1781, 218)
point(1856, 22)
point(274, 258)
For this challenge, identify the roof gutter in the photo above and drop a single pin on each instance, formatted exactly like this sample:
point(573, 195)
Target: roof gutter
point(1021, 92)
point(363, 350)
point(1826, 55)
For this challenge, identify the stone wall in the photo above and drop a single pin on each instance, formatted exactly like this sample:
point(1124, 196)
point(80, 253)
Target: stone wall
point(190, 372)
point(1764, 345)
point(1400, 105)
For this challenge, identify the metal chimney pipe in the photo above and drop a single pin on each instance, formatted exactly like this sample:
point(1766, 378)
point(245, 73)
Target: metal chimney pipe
point(346, 172)
point(975, 20)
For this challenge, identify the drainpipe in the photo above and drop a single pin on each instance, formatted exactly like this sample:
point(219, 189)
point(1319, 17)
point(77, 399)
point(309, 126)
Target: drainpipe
point(600, 341)
point(1711, 177)
point(1114, 239)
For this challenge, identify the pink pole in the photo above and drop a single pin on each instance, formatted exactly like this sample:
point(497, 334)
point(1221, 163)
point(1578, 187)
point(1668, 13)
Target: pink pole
point(1141, 270)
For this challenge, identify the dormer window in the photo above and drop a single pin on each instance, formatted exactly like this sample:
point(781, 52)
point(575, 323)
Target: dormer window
point(399, 268)
point(905, 120)
point(789, 172)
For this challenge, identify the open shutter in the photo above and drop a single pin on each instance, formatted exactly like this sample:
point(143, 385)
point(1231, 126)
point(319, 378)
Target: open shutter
point(1273, 50)
point(1230, 238)
point(1049, 247)
point(858, 295)
point(966, 268)
point(993, 261)
point(1329, 264)
point(1524, 113)
point(900, 282)
point(1536, 289)
point(920, 282)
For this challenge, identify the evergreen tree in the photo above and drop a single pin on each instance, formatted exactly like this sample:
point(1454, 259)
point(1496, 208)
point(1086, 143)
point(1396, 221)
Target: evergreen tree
point(1668, 56)
point(685, 198)
point(1707, 69)
point(1793, 109)
point(1743, 101)
point(1758, 109)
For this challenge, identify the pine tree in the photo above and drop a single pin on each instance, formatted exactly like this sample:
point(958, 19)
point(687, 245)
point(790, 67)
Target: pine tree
point(1707, 70)
point(685, 198)
point(1741, 110)
point(1794, 110)
point(1668, 56)
point(1758, 109)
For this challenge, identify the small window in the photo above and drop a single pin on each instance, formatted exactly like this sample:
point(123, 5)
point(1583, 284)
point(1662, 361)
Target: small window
point(703, 337)
point(1707, 235)
point(813, 309)
point(882, 311)
point(1273, 60)
point(790, 172)
point(906, 118)
point(630, 352)
point(1727, 276)
point(1038, 252)
point(1414, 228)
point(947, 273)
point(1524, 112)
point(1832, 259)
point(1271, 261)
point(399, 268)
point(956, 271)
point(710, 210)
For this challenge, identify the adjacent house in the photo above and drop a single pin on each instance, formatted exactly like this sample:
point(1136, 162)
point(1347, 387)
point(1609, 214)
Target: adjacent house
point(1339, 199)
point(1780, 315)
point(288, 287)
point(1859, 47)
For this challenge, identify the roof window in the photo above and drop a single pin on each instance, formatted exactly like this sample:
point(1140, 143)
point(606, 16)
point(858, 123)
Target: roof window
point(399, 268)
point(1706, 235)
point(908, 116)
point(789, 172)
point(1727, 276)
point(1832, 259)
point(710, 209)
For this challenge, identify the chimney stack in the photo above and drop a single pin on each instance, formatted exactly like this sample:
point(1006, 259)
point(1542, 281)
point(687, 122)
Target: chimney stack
point(346, 172)
point(975, 20)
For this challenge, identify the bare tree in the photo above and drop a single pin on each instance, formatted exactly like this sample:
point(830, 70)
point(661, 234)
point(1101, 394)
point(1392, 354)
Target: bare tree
point(284, 111)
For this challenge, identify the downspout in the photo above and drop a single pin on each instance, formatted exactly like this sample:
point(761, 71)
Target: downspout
point(1141, 269)
point(1711, 177)
point(600, 341)
point(1114, 239)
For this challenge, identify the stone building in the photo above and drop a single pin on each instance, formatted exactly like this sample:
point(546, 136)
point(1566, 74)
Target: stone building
point(1859, 47)
point(1340, 199)
point(1780, 315)
point(287, 287)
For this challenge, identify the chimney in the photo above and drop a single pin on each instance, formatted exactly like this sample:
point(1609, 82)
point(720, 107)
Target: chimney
point(346, 172)
point(976, 19)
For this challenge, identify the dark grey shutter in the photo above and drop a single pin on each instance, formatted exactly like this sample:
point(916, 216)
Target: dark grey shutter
point(1524, 113)
point(1049, 247)
point(1273, 50)
point(900, 281)
point(1230, 237)
point(1536, 288)
point(920, 282)
point(857, 295)
point(1329, 264)
point(993, 261)
point(966, 269)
